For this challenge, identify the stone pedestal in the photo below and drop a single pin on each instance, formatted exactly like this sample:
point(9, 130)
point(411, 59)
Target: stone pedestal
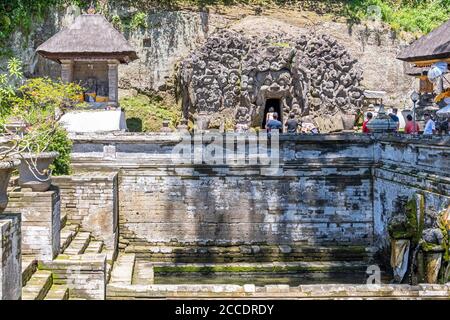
point(10, 257)
point(41, 221)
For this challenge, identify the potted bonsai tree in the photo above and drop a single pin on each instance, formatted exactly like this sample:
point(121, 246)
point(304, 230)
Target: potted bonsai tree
point(32, 125)
point(8, 83)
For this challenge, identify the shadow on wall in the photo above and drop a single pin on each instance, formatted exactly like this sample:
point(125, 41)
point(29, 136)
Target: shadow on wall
point(134, 124)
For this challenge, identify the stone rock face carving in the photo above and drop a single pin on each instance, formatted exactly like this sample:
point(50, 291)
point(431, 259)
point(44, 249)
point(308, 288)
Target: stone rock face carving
point(232, 73)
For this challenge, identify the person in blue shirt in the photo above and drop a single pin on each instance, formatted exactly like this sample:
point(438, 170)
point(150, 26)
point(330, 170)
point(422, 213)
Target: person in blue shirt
point(274, 123)
point(395, 118)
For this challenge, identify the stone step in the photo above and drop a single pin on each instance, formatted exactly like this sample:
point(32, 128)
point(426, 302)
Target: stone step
point(29, 266)
point(143, 272)
point(260, 267)
point(78, 244)
point(95, 246)
point(58, 292)
point(250, 253)
point(122, 271)
point(38, 285)
point(67, 234)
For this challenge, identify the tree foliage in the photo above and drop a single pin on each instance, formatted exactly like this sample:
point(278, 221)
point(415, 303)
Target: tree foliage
point(39, 104)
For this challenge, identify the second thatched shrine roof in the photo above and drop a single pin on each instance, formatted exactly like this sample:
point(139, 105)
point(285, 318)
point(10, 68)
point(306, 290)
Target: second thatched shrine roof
point(89, 36)
point(430, 48)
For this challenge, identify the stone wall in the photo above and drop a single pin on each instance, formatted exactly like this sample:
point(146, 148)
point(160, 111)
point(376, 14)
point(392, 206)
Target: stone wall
point(41, 221)
point(10, 257)
point(91, 200)
point(322, 196)
point(406, 167)
point(331, 190)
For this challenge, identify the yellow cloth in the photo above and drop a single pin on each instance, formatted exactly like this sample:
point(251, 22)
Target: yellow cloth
point(443, 95)
point(101, 99)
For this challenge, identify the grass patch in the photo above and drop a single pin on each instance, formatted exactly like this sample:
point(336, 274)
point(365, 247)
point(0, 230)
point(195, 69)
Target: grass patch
point(146, 114)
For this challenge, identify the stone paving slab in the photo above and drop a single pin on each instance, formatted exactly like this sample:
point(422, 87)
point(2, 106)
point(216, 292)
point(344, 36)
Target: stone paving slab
point(122, 271)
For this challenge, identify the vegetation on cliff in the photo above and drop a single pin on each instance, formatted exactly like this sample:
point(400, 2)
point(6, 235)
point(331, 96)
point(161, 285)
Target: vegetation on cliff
point(420, 16)
point(146, 114)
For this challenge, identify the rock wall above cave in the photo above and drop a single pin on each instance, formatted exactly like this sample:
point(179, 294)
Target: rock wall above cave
point(235, 75)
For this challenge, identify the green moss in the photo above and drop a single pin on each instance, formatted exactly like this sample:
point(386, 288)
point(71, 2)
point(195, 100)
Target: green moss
point(242, 269)
point(426, 246)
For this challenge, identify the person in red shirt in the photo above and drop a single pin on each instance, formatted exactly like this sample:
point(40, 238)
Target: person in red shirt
point(409, 127)
point(364, 126)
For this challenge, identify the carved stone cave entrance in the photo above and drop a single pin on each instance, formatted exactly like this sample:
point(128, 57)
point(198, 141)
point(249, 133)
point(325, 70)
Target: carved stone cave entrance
point(276, 105)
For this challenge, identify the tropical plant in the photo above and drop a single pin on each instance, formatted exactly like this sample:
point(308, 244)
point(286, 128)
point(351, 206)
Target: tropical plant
point(30, 118)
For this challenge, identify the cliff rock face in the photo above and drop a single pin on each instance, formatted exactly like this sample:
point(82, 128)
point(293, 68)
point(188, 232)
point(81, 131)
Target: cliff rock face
point(168, 37)
point(235, 74)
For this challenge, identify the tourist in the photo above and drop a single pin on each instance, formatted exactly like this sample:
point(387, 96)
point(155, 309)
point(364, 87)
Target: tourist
point(364, 126)
point(269, 115)
point(430, 127)
point(292, 124)
point(274, 123)
point(395, 118)
point(409, 127)
point(442, 126)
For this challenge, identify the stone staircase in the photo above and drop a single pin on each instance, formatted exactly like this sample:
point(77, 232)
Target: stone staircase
point(42, 283)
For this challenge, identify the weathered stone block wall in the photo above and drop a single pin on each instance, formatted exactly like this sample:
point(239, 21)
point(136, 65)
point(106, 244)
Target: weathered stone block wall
point(91, 200)
point(338, 189)
point(233, 206)
point(41, 221)
point(323, 194)
point(10, 257)
point(406, 167)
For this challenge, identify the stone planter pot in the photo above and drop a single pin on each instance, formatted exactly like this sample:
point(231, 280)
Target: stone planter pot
point(433, 263)
point(6, 168)
point(37, 178)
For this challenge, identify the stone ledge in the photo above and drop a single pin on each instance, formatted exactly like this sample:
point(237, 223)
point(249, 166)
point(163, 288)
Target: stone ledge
point(330, 291)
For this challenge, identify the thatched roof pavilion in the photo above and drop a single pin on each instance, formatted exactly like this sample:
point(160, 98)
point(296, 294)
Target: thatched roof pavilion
point(91, 35)
point(430, 48)
point(89, 52)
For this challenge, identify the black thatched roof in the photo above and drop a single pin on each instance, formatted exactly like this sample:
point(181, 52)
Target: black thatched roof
point(90, 35)
point(433, 46)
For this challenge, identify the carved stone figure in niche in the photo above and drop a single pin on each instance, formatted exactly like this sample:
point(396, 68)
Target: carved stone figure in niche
point(90, 86)
point(102, 89)
point(310, 75)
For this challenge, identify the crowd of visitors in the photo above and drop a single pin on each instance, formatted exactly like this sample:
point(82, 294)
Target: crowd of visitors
point(294, 125)
point(431, 126)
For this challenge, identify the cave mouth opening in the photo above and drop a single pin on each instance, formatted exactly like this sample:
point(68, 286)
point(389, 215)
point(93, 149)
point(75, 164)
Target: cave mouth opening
point(276, 105)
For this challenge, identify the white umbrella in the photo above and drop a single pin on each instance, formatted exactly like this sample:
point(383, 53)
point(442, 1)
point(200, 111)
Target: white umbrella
point(437, 70)
point(444, 112)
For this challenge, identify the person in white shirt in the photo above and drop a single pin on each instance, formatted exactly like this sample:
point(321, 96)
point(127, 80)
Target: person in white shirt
point(430, 127)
